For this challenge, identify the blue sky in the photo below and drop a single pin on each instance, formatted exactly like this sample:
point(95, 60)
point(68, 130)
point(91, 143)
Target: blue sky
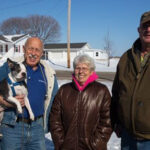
point(91, 20)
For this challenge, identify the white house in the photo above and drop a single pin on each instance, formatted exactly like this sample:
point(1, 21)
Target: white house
point(12, 46)
point(58, 52)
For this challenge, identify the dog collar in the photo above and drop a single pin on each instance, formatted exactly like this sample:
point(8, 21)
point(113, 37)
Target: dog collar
point(12, 85)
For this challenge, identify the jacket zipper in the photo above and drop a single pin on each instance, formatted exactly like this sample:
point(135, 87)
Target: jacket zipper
point(77, 130)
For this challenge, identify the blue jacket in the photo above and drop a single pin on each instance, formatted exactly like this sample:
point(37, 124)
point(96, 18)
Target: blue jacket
point(10, 115)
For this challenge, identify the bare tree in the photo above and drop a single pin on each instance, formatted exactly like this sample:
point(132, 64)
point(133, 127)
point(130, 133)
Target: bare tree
point(15, 25)
point(108, 47)
point(45, 27)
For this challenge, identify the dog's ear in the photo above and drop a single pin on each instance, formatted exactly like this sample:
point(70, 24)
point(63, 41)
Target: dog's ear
point(10, 63)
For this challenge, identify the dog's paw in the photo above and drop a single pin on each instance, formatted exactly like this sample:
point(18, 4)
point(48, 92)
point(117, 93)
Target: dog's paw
point(19, 110)
point(32, 117)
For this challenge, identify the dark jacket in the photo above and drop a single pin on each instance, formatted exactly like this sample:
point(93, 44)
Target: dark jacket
point(131, 93)
point(81, 120)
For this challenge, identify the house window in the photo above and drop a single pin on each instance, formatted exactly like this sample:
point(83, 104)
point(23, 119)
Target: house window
point(45, 55)
point(96, 53)
point(6, 48)
point(1, 48)
point(16, 48)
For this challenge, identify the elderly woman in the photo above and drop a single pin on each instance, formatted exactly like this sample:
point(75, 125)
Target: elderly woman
point(80, 114)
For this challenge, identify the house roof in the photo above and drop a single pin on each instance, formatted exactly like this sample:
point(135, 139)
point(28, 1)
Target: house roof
point(11, 38)
point(2, 38)
point(15, 38)
point(63, 45)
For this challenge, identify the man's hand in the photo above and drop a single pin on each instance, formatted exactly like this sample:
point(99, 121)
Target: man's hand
point(4, 103)
point(20, 98)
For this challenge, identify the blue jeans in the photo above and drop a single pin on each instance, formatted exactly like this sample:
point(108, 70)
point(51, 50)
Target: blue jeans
point(23, 136)
point(130, 143)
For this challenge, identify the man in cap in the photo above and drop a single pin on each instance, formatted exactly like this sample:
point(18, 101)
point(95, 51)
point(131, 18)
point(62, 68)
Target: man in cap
point(131, 92)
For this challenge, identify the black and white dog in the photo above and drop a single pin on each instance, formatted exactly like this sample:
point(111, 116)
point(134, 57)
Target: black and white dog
point(15, 85)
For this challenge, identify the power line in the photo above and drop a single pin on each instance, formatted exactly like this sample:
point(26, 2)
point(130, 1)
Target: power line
point(58, 8)
point(20, 4)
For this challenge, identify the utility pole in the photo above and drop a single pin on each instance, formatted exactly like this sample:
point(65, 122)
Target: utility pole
point(68, 34)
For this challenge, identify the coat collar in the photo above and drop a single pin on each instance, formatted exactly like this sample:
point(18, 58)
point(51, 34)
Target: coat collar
point(91, 79)
point(136, 49)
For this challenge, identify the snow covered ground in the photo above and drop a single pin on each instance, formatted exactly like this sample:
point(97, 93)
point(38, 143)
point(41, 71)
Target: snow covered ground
point(100, 66)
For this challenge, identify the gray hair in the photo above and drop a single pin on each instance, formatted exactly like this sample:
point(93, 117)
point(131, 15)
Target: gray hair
point(86, 59)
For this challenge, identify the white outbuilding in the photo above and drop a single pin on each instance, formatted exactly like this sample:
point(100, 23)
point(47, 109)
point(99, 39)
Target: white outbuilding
point(57, 52)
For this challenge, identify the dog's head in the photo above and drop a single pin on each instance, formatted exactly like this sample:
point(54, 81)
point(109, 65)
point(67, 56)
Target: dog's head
point(17, 70)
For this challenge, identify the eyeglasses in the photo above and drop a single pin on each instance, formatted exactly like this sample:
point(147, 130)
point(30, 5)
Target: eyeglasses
point(84, 69)
point(31, 49)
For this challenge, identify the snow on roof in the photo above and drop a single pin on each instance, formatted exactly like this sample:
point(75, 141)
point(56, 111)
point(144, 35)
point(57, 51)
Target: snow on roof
point(3, 39)
point(11, 38)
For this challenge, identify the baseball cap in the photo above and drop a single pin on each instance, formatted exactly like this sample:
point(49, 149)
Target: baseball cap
point(145, 17)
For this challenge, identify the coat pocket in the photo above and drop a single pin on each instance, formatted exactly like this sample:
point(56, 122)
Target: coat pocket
point(142, 119)
point(123, 112)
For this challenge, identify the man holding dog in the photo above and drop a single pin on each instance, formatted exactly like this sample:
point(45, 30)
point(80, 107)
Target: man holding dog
point(19, 132)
